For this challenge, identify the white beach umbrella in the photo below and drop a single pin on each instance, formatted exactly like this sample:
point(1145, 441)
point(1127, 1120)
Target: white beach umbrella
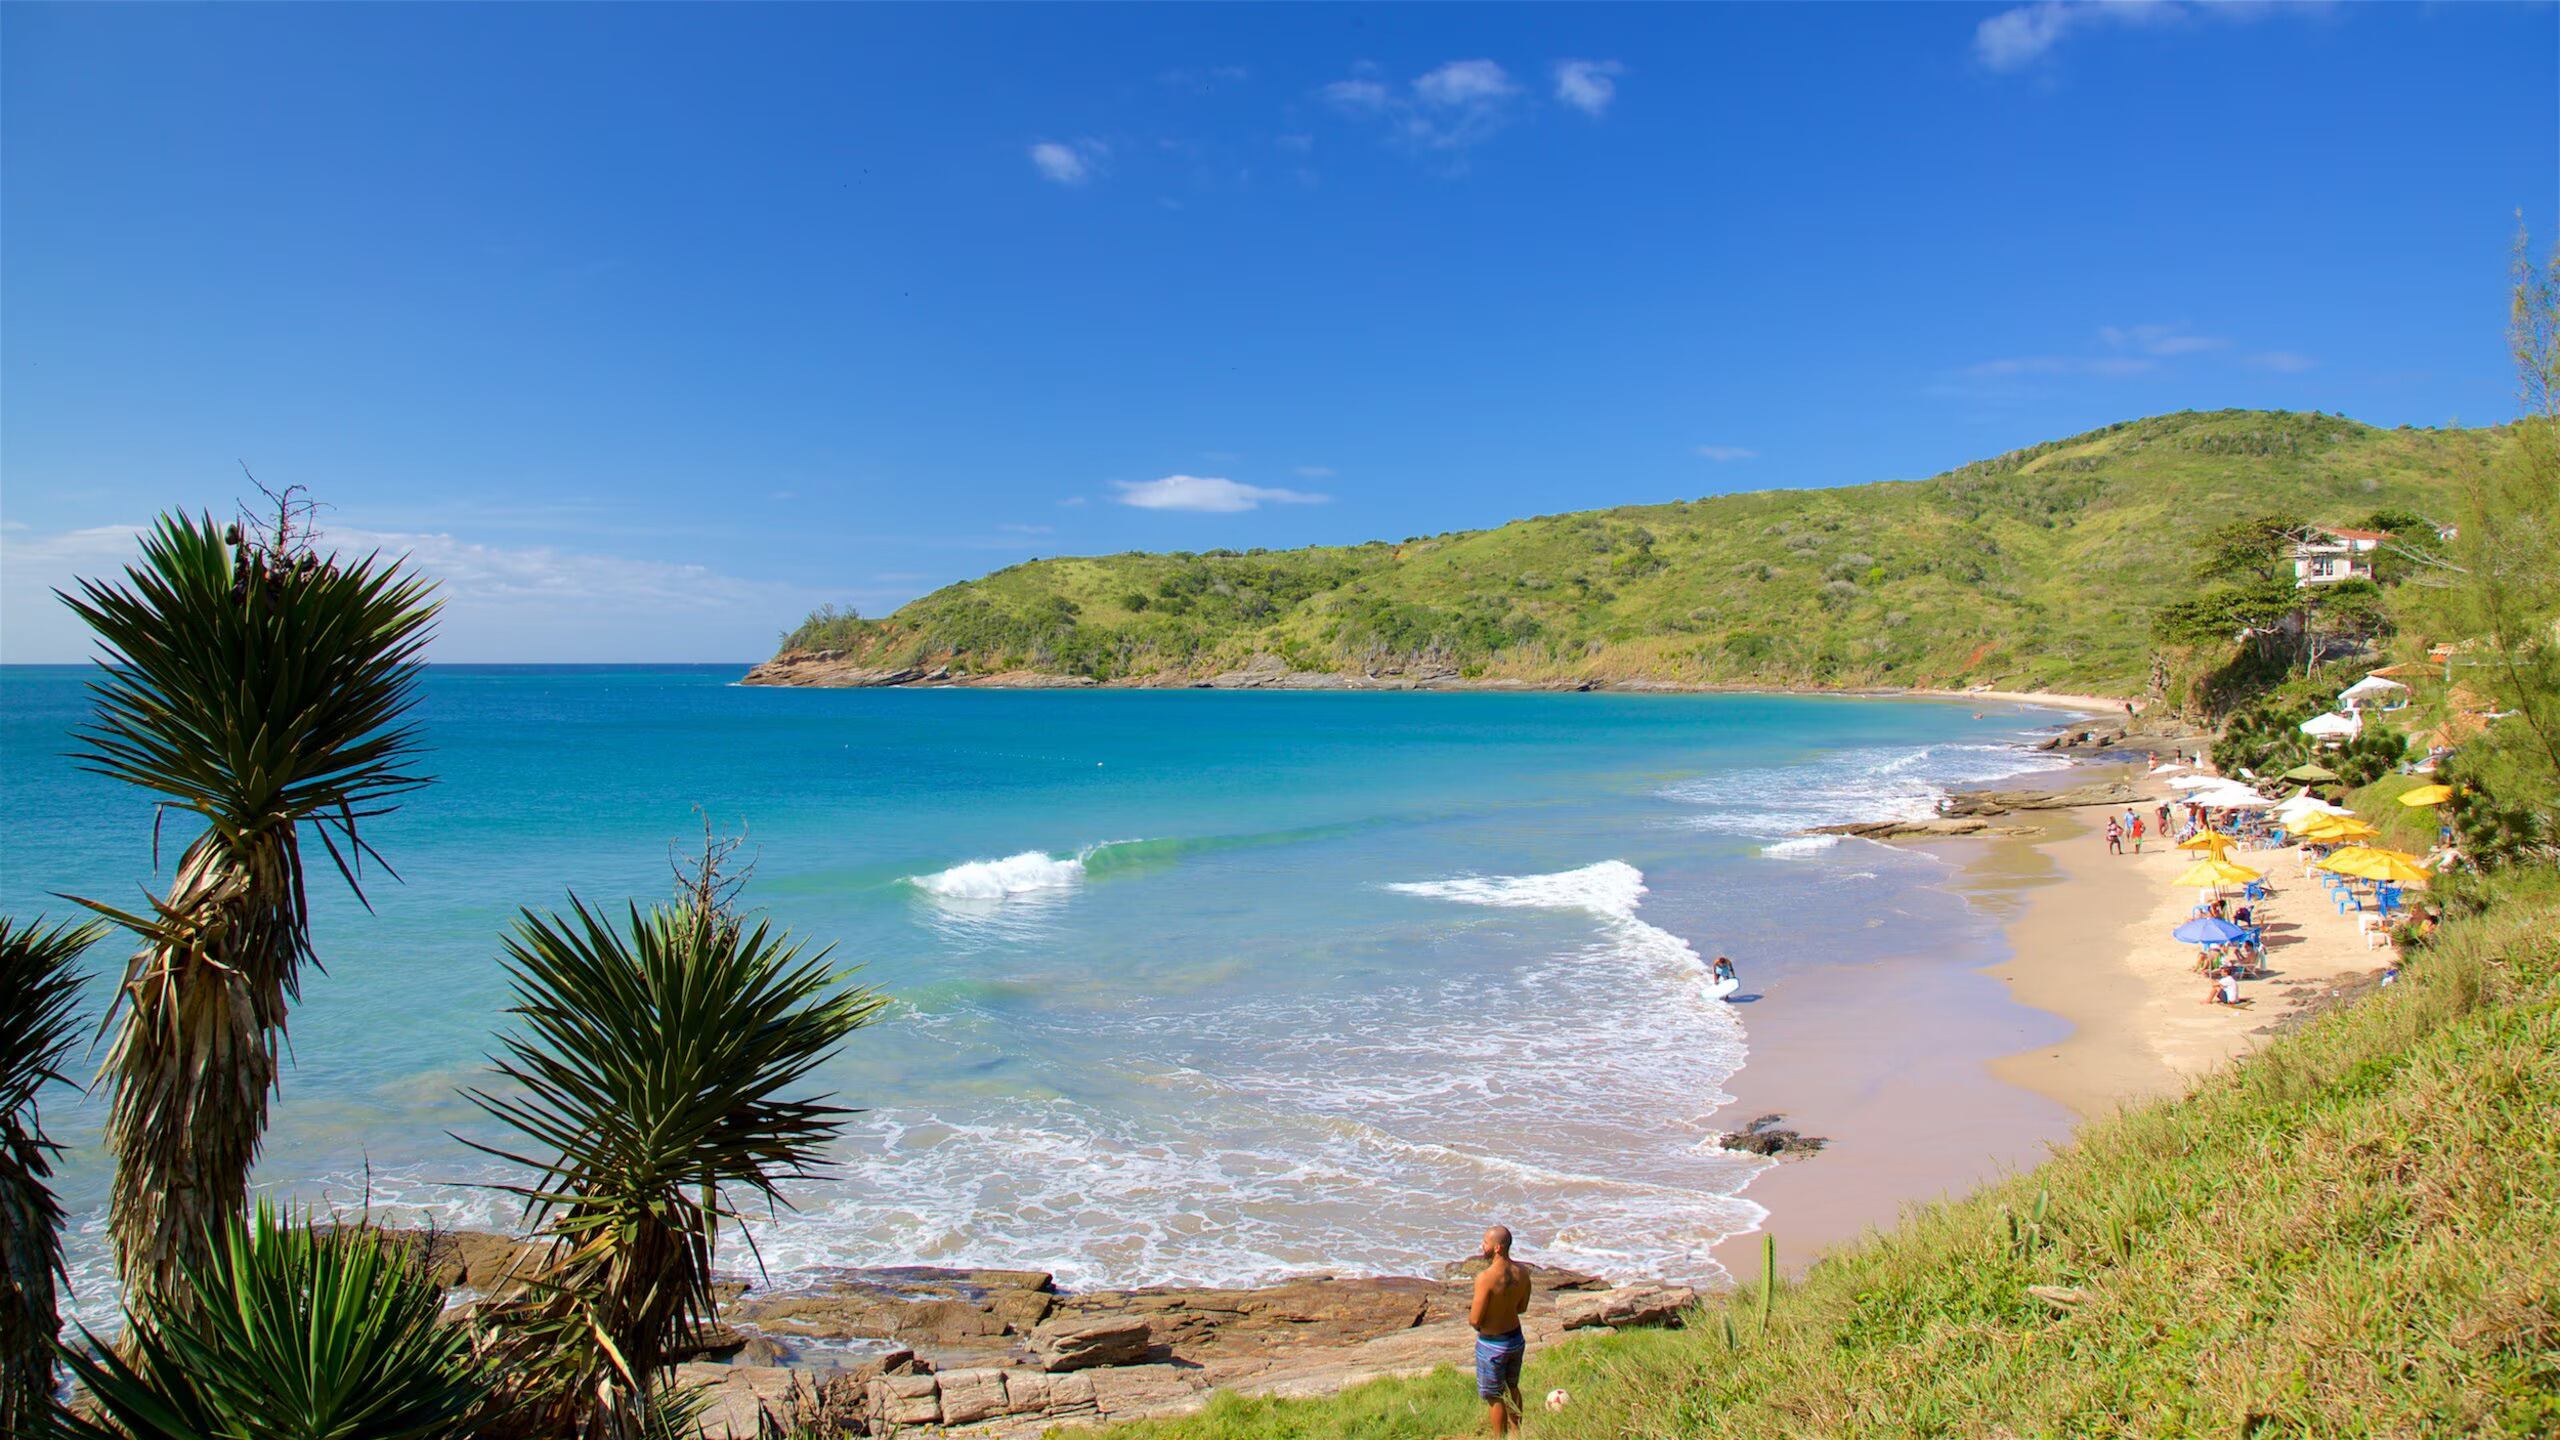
point(2197, 782)
point(2233, 800)
point(2332, 725)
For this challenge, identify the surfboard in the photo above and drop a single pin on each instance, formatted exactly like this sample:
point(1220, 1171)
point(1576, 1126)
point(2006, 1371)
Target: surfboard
point(1718, 989)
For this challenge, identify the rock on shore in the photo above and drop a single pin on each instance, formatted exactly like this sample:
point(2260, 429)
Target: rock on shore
point(1006, 1353)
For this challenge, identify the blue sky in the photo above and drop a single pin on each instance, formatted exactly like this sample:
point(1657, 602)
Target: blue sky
point(648, 328)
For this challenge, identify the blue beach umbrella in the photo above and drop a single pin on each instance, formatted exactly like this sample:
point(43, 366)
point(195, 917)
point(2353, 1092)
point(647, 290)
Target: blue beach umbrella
point(2208, 931)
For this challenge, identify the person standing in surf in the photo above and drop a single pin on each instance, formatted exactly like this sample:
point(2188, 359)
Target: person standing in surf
point(1502, 1293)
point(1724, 971)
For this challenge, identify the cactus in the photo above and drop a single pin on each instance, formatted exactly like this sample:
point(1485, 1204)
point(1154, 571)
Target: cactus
point(1768, 1278)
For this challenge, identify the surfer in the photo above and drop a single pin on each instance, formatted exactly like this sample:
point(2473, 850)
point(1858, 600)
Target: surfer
point(1724, 971)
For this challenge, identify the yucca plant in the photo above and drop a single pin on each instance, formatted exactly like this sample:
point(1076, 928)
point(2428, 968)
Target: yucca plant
point(38, 989)
point(650, 1091)
point(262, 688)
point(290, 1333)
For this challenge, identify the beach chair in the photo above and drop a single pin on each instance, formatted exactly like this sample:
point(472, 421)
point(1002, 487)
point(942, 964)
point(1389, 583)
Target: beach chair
point(2255, 890)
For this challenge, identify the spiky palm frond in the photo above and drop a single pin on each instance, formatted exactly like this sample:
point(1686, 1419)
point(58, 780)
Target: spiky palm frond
point(38, 990)
point(650, 1086)
point(261, 688)
point(292, 1333)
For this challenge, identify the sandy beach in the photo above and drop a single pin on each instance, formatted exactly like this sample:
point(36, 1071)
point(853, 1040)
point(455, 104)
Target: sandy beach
point(1927, 1085)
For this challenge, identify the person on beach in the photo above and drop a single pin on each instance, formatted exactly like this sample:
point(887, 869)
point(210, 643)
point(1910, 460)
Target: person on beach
point(2164, 819)
point(1724, 970)
point(1502, 1292)
point(2115, 836)
point(2135, 830)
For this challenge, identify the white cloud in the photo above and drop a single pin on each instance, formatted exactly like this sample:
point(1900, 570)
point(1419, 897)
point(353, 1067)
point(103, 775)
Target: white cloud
point(1449, 108)
point(2159, 339)
point(2113, 365)
point(1464, 82)
point(2019, 37)
point(1722, 454)
point(2285, 362)
point(500, 602)
point(1588, 85)
point(1358, 94)
point(1208, 494)
point(1069, 164)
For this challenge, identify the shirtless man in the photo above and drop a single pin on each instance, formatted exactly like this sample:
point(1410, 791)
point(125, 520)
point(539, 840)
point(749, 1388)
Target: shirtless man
point(1502, 1292)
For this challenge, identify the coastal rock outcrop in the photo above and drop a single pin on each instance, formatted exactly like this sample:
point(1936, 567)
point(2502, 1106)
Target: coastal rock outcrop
point(1073, 1343)
point(1768, 1135)
point(1004, 1353)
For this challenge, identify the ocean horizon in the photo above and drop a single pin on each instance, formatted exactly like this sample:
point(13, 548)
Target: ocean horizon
point(1192, 987)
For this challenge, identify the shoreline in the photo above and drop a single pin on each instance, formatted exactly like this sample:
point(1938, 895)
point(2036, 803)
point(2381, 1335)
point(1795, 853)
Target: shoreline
point(2089, 952)
point(781, 674)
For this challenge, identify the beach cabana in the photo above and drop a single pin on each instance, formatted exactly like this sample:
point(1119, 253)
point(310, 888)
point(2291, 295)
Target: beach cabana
point(2331, 727)
point(2374, 692)
point(2426, 795)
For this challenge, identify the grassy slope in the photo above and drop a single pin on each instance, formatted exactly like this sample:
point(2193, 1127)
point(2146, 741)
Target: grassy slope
point(2038, 569)
point(2355, 1233)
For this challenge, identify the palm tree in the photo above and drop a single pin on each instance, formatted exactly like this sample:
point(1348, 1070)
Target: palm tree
point(38, 988)
point(263, 688)
point(291, 1333)
point(647, 1094)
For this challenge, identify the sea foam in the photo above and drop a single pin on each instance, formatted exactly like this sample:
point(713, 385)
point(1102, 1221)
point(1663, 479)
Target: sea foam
point(1028, 873)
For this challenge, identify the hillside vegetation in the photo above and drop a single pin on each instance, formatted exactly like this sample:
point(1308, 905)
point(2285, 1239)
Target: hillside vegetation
point(2351, 1234)
point(2039, 569)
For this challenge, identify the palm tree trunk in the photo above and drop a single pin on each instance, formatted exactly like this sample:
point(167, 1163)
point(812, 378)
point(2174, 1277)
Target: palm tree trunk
point(30, 1251)
point(195, 1057)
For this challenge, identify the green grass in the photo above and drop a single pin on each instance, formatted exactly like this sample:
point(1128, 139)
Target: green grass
point(2353, 1233)
point(2038, 569)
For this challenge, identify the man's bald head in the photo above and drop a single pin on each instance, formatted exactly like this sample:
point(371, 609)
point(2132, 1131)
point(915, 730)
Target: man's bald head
point(1497, 1241)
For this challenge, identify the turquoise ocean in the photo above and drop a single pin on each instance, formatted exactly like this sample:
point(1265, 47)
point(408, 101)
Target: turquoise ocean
point(1191, 986)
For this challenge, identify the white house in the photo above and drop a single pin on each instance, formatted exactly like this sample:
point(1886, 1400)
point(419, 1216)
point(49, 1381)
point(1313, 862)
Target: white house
point(2325, 556)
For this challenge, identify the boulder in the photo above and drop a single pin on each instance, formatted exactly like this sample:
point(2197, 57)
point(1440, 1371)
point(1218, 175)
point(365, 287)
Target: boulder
point(1071, 1343)
point(1641, 1304)
point(743, 1402)
point(969, 1396)
point(1146, 1389)
point(906, 1399)
point(1767, 1135)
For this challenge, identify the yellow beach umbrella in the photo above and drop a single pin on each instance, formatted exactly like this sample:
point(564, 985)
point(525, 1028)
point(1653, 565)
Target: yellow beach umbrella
point(2334, 827)
point(2427, 795)
point(2368, 863)
point(2213, 842)
point(2213, 872)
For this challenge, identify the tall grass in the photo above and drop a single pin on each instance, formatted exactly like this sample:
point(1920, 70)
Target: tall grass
point(2353, 1233)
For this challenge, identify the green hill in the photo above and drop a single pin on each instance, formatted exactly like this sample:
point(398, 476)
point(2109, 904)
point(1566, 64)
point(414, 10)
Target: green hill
point(2038, 569)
